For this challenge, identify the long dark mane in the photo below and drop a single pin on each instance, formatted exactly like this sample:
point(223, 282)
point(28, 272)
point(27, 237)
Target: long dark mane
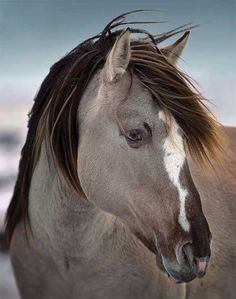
point(53, 117)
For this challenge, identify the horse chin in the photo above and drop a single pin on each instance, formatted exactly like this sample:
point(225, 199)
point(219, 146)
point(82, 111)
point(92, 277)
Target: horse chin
point(162, 268)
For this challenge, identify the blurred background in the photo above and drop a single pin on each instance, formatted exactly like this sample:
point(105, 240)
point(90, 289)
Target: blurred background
point(35, 34)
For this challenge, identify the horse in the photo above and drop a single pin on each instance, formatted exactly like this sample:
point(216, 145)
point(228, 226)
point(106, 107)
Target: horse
point(115, 197)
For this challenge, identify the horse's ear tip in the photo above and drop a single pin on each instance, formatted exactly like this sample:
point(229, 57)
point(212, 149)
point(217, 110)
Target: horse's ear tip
point(126, 31)
point(185, 36)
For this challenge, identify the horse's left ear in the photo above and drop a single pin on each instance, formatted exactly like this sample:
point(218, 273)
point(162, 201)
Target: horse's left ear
point(119, 57)
point(174, 51)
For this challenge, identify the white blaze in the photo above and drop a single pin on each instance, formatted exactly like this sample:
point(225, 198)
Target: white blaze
point(174, 157)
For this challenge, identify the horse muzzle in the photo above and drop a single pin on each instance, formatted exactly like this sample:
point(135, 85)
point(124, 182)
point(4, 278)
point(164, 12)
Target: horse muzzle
point(186, 267)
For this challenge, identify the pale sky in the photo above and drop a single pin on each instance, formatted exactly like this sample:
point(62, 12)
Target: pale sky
point(35, 34)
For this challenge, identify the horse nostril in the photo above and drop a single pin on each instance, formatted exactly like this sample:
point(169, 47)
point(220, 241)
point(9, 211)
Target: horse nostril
point(187, 254)
point(187, 266)
point(198, 265)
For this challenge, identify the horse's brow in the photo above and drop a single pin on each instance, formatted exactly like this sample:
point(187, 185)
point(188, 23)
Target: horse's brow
point(127, 115)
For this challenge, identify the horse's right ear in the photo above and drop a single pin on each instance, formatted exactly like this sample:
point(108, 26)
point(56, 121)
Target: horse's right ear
point(118, 58)
point(174, 51)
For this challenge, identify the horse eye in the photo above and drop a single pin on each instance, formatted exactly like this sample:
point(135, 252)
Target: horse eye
point(135, 135)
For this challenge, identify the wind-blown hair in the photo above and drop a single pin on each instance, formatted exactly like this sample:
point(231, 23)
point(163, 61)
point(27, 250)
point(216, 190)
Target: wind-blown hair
point(53, 117)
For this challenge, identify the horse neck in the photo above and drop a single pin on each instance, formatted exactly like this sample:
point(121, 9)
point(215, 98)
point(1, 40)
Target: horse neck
point(60, 215)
